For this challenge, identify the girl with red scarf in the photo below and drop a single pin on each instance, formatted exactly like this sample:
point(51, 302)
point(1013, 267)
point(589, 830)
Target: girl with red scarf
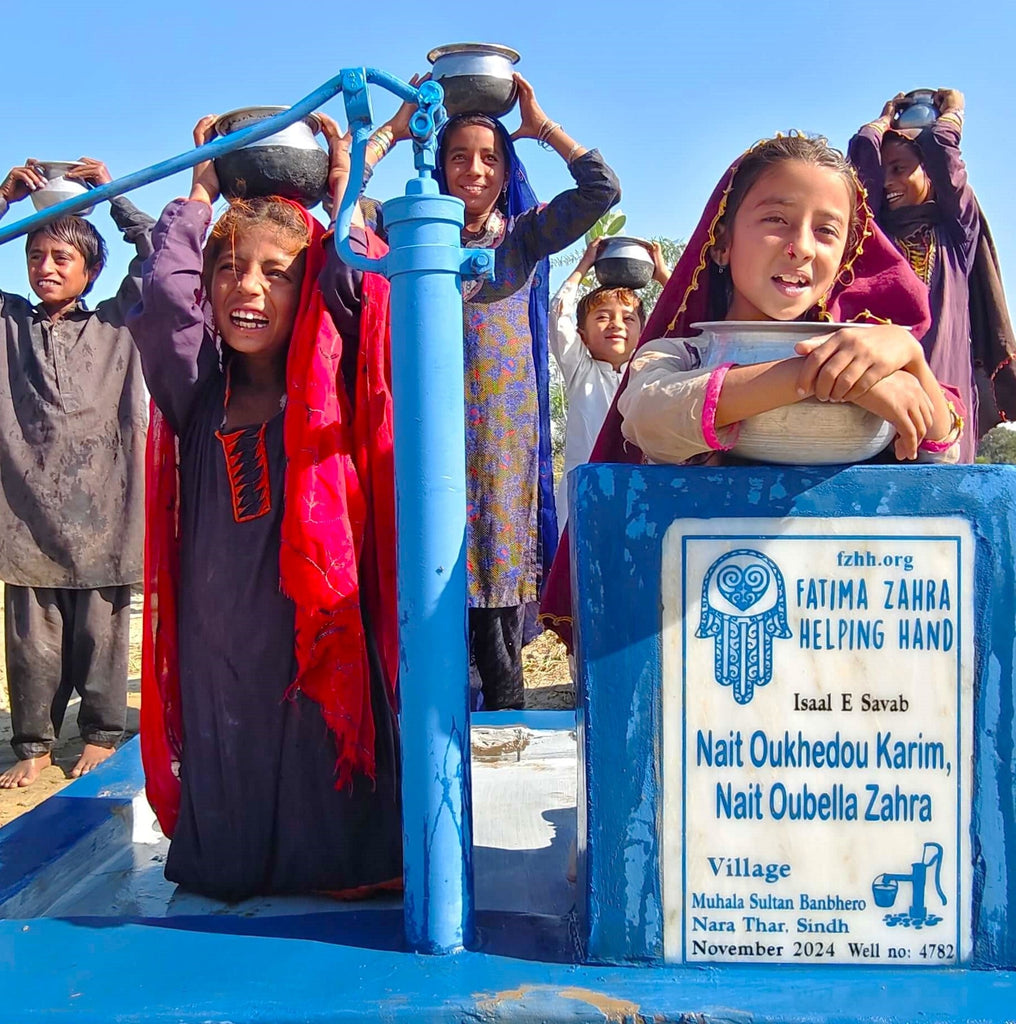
point(269, 734)
point(787, 235)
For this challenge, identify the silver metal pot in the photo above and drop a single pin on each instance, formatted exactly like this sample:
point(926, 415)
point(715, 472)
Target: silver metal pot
point(58, 188)
point(289, 163)
point(624, 262)
point(916, 110)
point(476, 77)
point(810, 432)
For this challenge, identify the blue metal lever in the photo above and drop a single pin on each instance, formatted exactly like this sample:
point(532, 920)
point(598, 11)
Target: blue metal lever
point(209, 151)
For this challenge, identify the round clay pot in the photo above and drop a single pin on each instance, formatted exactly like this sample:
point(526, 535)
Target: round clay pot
point(58, 188)
point(624, 262)
point(808, 433)
point(476, 77)
point(289, 163)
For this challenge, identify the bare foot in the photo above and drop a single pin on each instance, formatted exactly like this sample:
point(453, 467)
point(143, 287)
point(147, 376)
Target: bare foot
point(25, 772)
point(91, 757)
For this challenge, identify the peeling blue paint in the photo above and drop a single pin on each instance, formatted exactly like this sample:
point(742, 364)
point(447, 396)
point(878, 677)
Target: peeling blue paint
point(618, 635)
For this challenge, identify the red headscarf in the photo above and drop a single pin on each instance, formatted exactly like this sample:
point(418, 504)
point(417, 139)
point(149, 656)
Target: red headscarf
point(874, 284)
point(337, 545)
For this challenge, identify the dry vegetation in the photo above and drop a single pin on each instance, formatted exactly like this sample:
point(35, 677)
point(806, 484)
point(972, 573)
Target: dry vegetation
point(548, 681)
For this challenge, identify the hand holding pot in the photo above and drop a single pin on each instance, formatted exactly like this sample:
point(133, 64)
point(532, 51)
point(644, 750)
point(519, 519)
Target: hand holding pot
point(398, 126)
point(585, 264)
point(889, 110)
point(536, 125)
point(22, 181)
point(533, 117)
point(947, 100)
point(661, 272)
point(205, 182)
point(90, 172)
point(851, 361)
point(900, 400)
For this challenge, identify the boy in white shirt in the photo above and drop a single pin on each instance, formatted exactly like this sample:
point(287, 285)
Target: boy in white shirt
point(591, 339)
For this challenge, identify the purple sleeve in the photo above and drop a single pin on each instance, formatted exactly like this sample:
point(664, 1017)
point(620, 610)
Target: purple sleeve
point(341, 284)
point(169, 326)
point(545, 230)
point(940, 152)
point(865, 153)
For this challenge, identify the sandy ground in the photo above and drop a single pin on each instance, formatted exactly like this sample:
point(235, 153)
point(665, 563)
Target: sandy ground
point(548, 685)
point(65, 755)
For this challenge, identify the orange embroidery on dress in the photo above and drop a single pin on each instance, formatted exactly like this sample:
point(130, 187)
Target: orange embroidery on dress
point(920, 251)
point(247, 470)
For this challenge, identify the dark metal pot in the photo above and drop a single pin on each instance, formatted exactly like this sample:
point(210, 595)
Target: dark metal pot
point(476, 77)
point(289, 163)
point(916, 110)
point(624, 262)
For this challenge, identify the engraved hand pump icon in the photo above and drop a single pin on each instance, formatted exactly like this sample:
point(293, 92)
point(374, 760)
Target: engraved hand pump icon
point(885, 888)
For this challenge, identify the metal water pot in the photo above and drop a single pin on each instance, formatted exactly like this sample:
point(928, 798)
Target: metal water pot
point(808, 433)
point(289, 163)
point(477, 78)
point(624, 262)
point(916, 110)
point(58, 188)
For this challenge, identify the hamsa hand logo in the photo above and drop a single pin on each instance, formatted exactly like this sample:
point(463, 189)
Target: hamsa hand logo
point(744, 606)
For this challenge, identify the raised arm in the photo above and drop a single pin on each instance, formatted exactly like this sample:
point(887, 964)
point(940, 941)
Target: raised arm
point(940, 153)
point(568, 216)
point(865, 154)
point(136, 228)
point(565, 344)
point(341, 284)
point(169, 326)
point(19, 183)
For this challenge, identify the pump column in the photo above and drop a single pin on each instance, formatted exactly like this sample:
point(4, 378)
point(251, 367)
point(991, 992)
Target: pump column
point(426, 315)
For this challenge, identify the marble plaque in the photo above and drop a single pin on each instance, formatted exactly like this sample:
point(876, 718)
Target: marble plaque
point(817, 740)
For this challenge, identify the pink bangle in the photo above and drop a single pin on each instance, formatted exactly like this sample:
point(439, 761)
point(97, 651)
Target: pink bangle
point(955, 430)
point(713, 388)
point(937, 447)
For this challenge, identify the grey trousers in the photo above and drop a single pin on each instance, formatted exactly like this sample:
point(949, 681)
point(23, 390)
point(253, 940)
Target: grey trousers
point(60, 641)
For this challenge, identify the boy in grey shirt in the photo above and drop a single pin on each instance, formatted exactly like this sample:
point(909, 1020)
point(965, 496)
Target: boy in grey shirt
point(72, 440)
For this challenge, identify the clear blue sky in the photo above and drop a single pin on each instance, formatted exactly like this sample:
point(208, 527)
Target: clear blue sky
point(670, 92)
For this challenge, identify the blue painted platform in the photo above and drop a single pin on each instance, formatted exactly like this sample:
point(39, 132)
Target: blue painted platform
point(116, 942)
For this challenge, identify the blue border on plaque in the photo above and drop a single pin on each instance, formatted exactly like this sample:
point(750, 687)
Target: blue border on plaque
point(619, 516)
point(841, 538)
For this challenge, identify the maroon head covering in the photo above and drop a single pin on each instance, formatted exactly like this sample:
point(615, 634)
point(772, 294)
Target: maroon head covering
point(875, 284)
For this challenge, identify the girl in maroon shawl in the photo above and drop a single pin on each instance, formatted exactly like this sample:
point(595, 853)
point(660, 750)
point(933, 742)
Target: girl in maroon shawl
point(918, 189)
point(268, 733)
point(787, 235)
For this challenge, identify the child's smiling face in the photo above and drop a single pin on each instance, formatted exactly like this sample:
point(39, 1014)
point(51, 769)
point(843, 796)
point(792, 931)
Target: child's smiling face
point(787, 241)
point(56, 271)
point(255, 291)
point(474, 167)
point(611, 330)
point(905, 181)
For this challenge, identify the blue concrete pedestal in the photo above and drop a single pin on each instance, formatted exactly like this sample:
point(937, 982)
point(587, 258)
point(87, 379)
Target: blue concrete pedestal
point(620, 515)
